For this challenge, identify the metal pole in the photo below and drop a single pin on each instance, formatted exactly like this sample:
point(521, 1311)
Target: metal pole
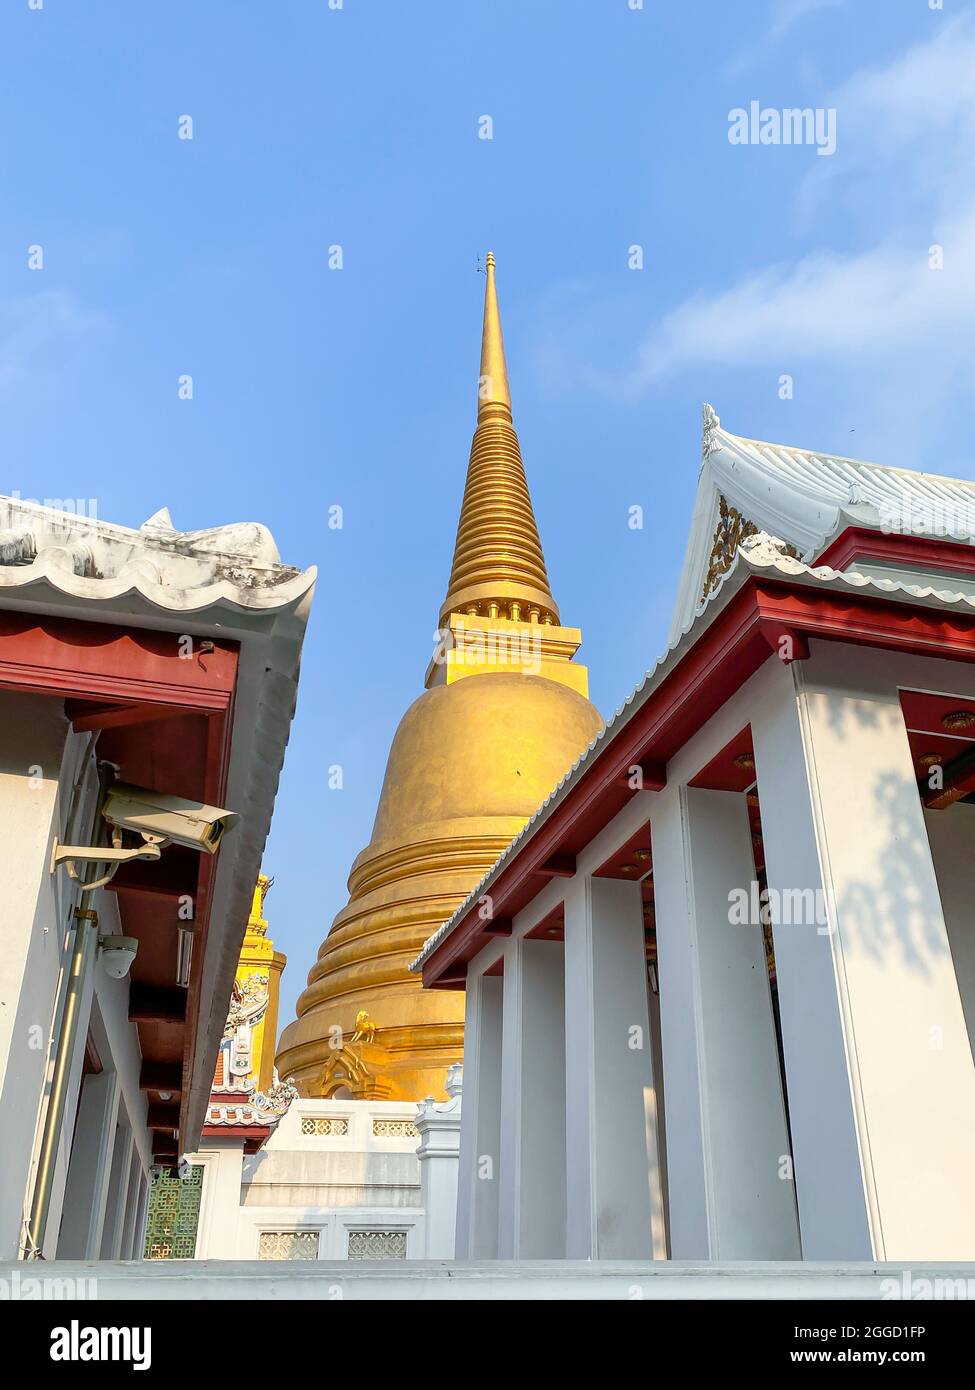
point(84, 952)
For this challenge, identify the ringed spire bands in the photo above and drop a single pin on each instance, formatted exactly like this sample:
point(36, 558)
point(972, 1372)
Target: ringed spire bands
point(499, 568)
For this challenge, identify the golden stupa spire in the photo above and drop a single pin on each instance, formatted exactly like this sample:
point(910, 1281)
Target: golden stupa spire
point(499, 569)
point(493, 393)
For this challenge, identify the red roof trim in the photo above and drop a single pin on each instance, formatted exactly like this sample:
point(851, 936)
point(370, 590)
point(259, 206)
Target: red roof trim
point(927, 552)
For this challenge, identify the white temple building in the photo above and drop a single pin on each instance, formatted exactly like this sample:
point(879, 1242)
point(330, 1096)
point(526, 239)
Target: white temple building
point(148, 680)
point(721, 989)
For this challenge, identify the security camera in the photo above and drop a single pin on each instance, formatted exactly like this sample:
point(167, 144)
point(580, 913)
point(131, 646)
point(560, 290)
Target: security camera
point(118, 953)
point(161, 818)
point(158, 819)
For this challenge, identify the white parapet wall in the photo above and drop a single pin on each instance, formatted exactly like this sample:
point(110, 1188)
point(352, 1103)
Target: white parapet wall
point(337, 1180)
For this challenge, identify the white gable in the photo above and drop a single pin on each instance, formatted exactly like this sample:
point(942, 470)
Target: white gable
point(806, 499)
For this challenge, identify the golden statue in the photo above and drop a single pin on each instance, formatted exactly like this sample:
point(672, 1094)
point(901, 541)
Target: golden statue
point(365, 1029)
point(504, 715)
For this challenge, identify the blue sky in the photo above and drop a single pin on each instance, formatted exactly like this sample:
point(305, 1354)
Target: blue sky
point(358, 127)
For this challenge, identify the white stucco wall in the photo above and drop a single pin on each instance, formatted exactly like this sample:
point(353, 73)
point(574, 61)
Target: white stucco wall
point(34, 799)
point(47, 791)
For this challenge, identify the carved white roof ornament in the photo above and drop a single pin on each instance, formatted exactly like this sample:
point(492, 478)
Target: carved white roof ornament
point(159, 521)
point(82, 557)
point(710, 424)
point(430, 1112)
point(277, 1099)
point(764, 549)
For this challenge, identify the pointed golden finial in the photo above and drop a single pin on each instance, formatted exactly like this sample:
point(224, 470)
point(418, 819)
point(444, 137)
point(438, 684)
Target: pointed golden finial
point(493, 394)
point(499, 569)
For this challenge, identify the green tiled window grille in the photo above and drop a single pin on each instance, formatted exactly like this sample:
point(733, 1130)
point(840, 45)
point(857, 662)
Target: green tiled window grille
point(173, 1214)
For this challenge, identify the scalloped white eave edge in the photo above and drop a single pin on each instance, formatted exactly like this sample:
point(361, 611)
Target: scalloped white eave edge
point(140, 578)
point(745, 564)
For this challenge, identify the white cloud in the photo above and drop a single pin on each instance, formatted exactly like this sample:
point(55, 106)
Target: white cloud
point(827, 306)
point(907, 140)
point(907, 128)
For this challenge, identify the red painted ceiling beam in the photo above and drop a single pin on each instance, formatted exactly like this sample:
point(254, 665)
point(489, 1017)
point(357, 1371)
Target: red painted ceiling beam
point(959, 781)
point(86, 716)
point(646, 776)
point(161, 1076)
point(155, 1004)
point(175, 875)
point(497, 926)
point(162, 1117)
point(559, 865)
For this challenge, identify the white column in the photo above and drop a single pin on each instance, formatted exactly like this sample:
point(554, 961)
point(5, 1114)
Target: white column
point(132, 1224)
point(438, 1152)
point(679, 1009)
point(220, 1227)
point(532, 1200)
point(89, 1168)
point(880, 1073)
point(829, 1185)
point(612, 1185)
point(35, 918)
point(657, 1138)
point(111, 1242)
point(480, 1141)
point(142, 1212)
point(738, 1195)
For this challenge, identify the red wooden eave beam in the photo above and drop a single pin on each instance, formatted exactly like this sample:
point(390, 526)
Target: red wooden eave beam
point(156, 1003)
point(923, 552)
point(161, 1076)
point(958, 781)
point(558, 866)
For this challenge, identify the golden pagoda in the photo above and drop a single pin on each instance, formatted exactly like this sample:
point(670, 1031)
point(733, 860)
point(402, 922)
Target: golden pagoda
point(254, 1005)
point(504, 714)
